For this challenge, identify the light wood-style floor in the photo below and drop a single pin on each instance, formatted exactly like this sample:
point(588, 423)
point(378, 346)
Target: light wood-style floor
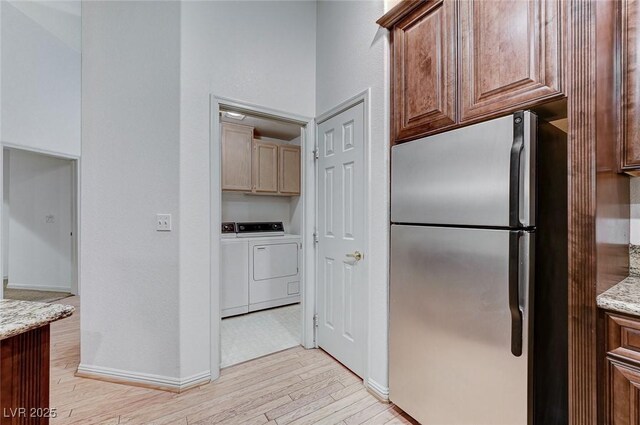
point(296, 386)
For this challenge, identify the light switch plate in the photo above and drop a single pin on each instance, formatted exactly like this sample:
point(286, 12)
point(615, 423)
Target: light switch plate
point(163, 222)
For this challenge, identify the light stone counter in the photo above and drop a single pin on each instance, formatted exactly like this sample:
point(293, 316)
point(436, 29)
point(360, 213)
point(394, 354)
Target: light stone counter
point(17, 317)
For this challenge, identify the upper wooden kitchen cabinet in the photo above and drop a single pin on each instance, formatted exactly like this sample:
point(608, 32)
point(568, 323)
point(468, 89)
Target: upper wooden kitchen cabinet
point(630, 134)
point(265, 167)
point(289, 170)
point(510, 55)
point(236, 143)
point(424, 70)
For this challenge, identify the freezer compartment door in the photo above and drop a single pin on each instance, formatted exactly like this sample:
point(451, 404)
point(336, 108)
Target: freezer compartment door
point(454, 357)
point(480, 175)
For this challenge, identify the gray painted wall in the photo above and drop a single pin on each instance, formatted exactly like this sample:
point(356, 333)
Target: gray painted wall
point(39, 221)
point(129, 172)
point(149, 69)
point(351, 57)
point(40, 107)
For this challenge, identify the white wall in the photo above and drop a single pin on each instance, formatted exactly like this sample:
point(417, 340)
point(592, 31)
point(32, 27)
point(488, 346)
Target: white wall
point(635, 210)
point(129, 172)
point(351, 57)
point(40, 104)
point(39, 243)
point(148, 71)
point(259, 52)
point(296, 202)
point(240, 207)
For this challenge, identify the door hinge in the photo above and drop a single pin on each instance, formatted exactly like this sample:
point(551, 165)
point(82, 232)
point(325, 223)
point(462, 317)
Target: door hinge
point(315, 237)
point(315, 320)
point(316, 153)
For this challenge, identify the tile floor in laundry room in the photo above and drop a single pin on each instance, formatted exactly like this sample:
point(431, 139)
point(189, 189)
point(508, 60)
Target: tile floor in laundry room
point(257, 334)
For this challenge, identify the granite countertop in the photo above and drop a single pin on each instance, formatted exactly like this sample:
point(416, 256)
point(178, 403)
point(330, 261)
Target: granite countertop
point(624, 297)
point(18, 317)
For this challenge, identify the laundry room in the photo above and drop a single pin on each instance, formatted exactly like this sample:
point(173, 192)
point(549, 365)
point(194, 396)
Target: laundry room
point(261, 243)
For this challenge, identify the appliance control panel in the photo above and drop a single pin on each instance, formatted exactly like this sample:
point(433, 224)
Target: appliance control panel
point(261, 227)
point(228, 227)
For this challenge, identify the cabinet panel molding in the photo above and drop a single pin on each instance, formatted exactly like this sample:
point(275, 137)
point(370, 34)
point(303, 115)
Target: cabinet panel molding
point(236, 141)
point(510, 55)
point(623, 395)
point(289, 170)
point(630, 149)
point(265, 167)
point(623, 338)
point(424, 69)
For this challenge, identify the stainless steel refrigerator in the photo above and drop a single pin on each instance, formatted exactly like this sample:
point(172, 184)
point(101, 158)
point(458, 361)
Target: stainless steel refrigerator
point(463, 242)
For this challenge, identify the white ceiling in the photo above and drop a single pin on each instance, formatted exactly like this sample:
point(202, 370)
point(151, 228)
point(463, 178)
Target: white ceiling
point(265, 127)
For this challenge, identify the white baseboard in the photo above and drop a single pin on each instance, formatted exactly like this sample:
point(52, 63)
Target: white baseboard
point(55, 288)
point(166, 383)
point(378, 390)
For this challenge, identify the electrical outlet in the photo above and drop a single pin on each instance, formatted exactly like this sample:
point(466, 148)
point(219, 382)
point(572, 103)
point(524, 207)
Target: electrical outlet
point(163, 222)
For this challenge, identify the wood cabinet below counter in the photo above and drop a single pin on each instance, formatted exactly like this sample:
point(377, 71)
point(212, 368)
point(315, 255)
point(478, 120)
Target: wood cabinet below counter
point(622, 369)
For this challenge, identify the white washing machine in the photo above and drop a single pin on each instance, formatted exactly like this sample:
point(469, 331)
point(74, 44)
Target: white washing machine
point(234, 287)
point(258, 271)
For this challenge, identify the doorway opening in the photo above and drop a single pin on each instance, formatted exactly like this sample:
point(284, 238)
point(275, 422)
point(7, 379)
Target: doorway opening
point(39, 226)
point(261, 221)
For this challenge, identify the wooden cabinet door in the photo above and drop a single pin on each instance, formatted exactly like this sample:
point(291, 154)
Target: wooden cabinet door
point(265, 167)
point(236, 157)
point(630, 85)
point(623, 398)
point(424, 70)
point(622, 370)
point(510, 55)
point(289, 170)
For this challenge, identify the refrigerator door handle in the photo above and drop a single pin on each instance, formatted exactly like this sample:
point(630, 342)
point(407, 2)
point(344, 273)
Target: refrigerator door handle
point(514, 292)
point(515, 169)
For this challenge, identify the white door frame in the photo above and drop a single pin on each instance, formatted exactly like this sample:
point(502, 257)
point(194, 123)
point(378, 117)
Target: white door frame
point(75, 208)
point(308, 216)
point(364, 98)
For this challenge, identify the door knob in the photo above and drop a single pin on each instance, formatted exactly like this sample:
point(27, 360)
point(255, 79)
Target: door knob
point(357, 255)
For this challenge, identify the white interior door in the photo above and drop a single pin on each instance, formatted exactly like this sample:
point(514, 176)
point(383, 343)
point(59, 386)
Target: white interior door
point(341, 290)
